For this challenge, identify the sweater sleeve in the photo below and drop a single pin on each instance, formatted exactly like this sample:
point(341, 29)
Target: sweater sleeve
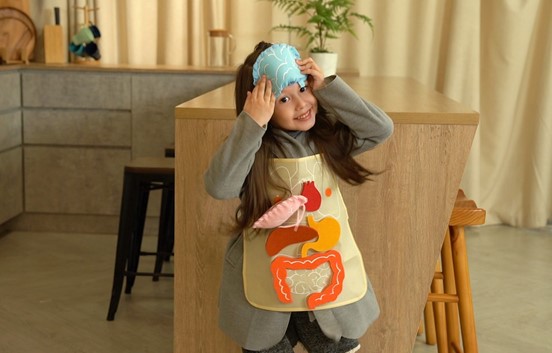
point(233, 160)
point(369, 123)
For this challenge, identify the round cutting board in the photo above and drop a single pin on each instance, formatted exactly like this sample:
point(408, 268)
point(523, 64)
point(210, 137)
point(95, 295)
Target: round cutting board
point(17, 35)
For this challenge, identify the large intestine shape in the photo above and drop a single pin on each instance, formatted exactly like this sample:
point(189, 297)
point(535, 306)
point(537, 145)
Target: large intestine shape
point(282, 264)
point(313, 195)
point(282, 211)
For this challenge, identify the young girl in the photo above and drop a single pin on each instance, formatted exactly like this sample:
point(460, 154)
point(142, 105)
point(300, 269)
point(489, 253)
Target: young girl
point(294, 273)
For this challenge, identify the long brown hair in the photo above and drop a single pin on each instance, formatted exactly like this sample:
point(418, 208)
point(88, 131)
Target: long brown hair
point(334, 141)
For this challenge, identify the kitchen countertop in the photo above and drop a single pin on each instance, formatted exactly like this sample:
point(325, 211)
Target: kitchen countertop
point(94, 66)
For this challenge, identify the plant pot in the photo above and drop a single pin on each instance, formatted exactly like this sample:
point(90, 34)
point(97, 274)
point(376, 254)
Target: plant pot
point(326, 61)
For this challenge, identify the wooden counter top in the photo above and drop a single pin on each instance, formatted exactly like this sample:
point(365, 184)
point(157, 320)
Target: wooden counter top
point(399, 219)
point(405, 100)
point(98, 66)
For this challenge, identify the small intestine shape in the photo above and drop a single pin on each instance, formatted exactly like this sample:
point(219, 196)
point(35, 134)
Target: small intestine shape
point(282, 211)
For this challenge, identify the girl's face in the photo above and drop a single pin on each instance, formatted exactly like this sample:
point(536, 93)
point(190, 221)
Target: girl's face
point(295, 109)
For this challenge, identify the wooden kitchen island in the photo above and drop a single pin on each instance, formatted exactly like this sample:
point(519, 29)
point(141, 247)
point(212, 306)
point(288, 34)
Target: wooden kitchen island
point(399, 220)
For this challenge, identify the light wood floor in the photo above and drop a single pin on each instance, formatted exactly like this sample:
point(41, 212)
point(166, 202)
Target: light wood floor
point(55, 288)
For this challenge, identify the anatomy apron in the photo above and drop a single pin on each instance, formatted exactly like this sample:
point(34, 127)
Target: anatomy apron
point(301, 255)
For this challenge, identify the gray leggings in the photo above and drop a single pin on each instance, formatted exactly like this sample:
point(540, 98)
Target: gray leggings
point(301, 329)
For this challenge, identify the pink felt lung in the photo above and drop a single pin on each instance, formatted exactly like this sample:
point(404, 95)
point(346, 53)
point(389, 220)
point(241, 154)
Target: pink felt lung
point(282, 211)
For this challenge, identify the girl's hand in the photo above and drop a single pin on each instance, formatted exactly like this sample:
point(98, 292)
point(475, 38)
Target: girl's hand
point(309, 67)
point(259, 104)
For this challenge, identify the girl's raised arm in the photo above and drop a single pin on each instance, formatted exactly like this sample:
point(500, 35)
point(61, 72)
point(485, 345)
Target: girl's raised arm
point(233, 160)
point(370, 124)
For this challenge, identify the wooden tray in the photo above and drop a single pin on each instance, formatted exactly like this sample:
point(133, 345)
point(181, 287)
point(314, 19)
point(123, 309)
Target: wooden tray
point(17, 36)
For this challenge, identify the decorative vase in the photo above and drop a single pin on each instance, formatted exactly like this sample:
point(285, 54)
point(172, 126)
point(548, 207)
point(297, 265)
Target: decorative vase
point(326, 61)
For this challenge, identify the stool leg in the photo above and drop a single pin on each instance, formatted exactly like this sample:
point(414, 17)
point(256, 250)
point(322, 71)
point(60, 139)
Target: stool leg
point(439, 315)
point(170, 239)
point(420, 329)
point(128, 205)
point(451, 309)
point(429, 323)
point(170, 235)
point(137, 235)
point(463, 287)
point(167, 208)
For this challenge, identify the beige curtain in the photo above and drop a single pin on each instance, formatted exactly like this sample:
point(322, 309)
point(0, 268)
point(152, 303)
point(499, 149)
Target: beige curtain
point(514, 176)
point(492, 55)
point(163, 32)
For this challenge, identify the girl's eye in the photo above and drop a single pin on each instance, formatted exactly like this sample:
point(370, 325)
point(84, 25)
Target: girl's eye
point(284, 99)
point(303, 89)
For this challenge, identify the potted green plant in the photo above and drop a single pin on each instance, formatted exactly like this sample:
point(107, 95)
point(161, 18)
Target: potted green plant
point(325, 19)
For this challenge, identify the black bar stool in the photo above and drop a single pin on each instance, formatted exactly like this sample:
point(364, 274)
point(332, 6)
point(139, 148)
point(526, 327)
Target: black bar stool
point(169, 153)
point(169, 150)
point(141, 176)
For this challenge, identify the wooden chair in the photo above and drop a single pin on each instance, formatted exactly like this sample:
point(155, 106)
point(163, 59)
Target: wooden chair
point(450, 307)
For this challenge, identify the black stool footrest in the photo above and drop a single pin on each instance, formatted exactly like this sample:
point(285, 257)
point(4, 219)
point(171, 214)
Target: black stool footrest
point(150, 274)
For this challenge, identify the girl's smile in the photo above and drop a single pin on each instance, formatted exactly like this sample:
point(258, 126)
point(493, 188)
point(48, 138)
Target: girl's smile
point(305, 116)
point(295, 109)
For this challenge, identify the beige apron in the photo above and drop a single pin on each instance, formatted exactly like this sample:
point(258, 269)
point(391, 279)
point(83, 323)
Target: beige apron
point(311, 261)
